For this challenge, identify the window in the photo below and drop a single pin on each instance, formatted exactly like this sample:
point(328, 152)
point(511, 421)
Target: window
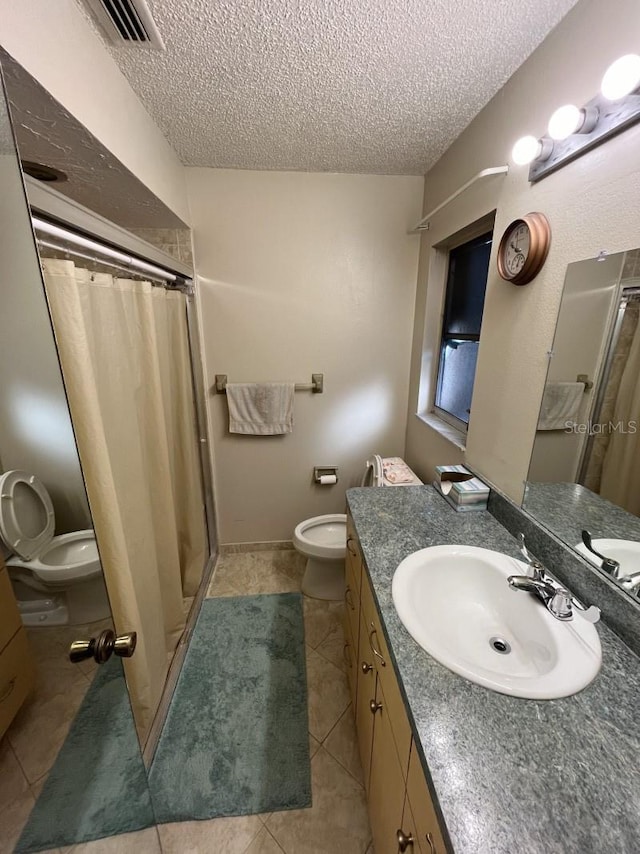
point(464, 302)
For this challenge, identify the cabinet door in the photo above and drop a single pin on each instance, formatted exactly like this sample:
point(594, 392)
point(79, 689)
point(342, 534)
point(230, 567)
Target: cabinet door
point(372, 635)
point(366, 694)
point(387, 786)
point(427, 828)
point(351, 660)
point(353, 559)
point(353, 574)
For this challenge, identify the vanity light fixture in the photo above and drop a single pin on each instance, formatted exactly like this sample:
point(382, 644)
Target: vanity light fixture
point(573, 130)
point(570, 119)
point(621, 78)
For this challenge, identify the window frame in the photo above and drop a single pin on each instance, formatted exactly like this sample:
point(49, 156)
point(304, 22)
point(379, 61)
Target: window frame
point(474, 231)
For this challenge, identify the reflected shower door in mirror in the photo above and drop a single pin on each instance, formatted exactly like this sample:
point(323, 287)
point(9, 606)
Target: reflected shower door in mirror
point(70, 763)
point(584, 477)
point(125, 332)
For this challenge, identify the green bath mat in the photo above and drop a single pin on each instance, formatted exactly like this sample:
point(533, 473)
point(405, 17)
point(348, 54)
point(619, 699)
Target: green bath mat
point(98, 784)
point(236, 738)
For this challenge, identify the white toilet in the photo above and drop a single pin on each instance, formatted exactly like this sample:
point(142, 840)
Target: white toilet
point(323, 539)
point(57, 580)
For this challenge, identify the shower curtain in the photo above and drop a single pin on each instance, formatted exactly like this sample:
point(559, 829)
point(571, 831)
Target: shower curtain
point(125, 359)
point(621, 468)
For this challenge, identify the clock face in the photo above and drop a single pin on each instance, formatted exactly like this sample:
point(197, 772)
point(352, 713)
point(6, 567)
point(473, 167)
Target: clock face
point(516, 251)
point(523, 248)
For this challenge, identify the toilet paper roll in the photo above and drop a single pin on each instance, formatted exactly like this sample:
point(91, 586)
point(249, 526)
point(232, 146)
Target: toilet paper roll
point(327, 479)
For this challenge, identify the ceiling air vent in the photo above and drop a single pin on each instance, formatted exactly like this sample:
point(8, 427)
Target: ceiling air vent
point(127, 22)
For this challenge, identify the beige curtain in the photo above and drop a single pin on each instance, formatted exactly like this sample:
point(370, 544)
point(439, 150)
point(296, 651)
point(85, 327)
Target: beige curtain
point(621, 468)
point(125, 359)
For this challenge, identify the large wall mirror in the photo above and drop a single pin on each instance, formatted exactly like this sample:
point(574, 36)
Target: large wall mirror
point(584, 477)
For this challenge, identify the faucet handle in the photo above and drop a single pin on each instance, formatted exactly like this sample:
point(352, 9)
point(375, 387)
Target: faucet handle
point(536, 566)
point(560, 604)
point(608, 564)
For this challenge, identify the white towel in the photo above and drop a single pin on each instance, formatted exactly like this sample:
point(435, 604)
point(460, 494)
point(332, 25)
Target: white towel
point(560, 404)
point(260, 409)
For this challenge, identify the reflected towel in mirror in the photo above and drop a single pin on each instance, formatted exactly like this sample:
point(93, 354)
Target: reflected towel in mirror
point(560, 405)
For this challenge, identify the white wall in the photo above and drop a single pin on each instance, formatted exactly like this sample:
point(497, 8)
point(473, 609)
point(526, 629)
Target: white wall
point(592, 204)
point(35, 427)
point(54, 42)
point(298, 274)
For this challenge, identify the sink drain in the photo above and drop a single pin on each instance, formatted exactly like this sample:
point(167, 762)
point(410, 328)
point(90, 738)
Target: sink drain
point(500, 645)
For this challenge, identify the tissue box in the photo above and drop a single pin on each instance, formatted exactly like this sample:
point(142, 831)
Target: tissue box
point(466, 492)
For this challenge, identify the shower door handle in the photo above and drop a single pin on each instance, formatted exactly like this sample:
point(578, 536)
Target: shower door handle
point(102, 647)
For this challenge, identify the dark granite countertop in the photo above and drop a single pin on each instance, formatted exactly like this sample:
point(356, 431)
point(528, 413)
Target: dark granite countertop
point(509, 776)
point(567, 508)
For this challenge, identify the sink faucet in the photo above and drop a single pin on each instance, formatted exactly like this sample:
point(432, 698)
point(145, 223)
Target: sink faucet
point(608, 564)
point(556, 599)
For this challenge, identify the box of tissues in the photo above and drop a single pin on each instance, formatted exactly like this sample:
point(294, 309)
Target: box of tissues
point(460, 488)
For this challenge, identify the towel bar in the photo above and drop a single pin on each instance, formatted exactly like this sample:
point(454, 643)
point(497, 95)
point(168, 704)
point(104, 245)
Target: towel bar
point(316, 385)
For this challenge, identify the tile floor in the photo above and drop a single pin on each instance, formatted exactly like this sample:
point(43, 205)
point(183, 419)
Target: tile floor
point(337, 822)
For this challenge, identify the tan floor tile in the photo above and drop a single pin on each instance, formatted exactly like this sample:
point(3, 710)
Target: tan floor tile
point(39, 730)
point(13, 818)
point(264, 843)
point(342, 744)
point(139, 842)
point(333, 648)
point(328, 694)
point(252, 573)
point(336, 823)
point(321, 620)
point(219, 835)
point(13, 783)
point(314, 746)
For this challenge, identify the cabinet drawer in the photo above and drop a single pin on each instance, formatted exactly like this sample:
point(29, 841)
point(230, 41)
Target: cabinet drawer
point(377, 644)
point(10, 620)
point(427, 828)
point(16, 678)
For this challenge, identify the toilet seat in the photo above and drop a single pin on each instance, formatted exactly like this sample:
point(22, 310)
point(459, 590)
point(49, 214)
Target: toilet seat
point(27, 520)
point(27, 523)
point(322, 536)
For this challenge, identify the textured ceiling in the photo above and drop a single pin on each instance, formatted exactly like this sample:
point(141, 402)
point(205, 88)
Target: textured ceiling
point(329, 85)
point(48, 134)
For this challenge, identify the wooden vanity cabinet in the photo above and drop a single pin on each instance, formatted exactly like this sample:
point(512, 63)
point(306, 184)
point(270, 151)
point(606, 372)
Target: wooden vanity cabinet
point(397, 792)
point(17, 675)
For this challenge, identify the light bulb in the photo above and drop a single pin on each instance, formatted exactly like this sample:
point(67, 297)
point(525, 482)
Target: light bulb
point(565, 121)
point(621, 78)
point(526, 149)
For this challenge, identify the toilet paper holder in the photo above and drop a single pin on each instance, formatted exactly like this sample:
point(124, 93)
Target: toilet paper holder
point(325, 471)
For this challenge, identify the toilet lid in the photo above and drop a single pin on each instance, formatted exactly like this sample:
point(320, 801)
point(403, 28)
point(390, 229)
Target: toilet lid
point(373, 474)
point(27, 521)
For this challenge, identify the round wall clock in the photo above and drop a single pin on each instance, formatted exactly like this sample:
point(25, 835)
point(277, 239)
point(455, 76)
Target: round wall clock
point(524, 248)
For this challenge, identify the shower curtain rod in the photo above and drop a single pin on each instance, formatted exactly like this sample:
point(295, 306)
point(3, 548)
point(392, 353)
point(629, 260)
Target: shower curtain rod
point(104, 262)
point(73, 243)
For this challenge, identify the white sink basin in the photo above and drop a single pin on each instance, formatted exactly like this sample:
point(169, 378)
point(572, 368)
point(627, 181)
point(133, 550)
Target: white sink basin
point(456, 603)
point(626, 552)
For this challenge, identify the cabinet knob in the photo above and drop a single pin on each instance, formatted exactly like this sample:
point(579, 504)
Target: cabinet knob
point(351, 551)
point(404, 840)
point(375, 707)
point(366, 668)
point(432, 845)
